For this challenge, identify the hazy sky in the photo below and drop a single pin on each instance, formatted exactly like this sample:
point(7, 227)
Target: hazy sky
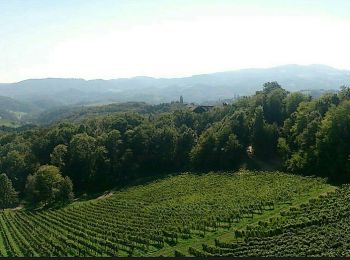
point(122, 38)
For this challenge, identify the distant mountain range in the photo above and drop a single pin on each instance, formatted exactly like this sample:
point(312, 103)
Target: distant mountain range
point(54, 92)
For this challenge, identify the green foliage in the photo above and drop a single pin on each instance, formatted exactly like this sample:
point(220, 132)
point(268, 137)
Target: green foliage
point(332, 145)
point(344, 93)
point(83, 150)
point(104, 147)
point(218, 148)
point(111, 145)
point(59, 156)
point(17, 162)
point(264, 136)
point(147, 218)
point(8, 195)
point(65, 190)
point(292, 102)
point(273, 98)
point(319, 228)
point(47, 186)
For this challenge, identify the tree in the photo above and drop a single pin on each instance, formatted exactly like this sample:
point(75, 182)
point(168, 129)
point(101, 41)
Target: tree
point(185, 142)
point(101, 177)
point(59, 156)
point(8, 195)
point(299, 132)
point(163, 148)
point(326, 101)
point(48, 186)
point(82, 150)
point(283, 148)
point(273, 102)
point(292, 102)
point(231, 153)
point(65, 190)
point(203, 155)
point(344, 93)
point(264, 136)
point(16, 165)
point(218, 148)
point(114, 145)
point(332, 145)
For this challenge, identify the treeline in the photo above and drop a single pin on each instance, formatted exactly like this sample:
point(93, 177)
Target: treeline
point(306, 136)
point(78, 113)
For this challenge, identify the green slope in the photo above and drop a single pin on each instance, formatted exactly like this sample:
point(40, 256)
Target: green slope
point(10, 104)
point(159, 217)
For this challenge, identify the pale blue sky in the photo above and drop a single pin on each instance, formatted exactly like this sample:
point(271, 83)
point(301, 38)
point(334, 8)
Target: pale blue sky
point(123, 38)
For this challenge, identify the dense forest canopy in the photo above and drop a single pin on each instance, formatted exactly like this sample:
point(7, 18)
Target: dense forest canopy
point(289, 131)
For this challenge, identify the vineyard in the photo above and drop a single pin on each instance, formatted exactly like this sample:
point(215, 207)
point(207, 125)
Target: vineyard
point(175, 215)
point(320, 227)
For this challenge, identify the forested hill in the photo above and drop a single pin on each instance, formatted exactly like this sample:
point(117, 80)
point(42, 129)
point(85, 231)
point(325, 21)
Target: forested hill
point(271, 129)
point(79, 113)
point(49, 93)
point(12, 111)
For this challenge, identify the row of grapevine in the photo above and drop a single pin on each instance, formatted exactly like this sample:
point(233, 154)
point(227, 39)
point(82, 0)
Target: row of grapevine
point(320, 227)
point(145, 218)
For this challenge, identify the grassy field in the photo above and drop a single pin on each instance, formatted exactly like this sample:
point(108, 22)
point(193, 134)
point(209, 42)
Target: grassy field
point(14, 120)
point(7, 123)
point(175, 214)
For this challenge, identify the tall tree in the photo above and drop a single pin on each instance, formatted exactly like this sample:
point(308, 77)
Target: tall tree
point(273, 102)
point(59, 156)
point(332, 146)
point(48, 186)
point(292, 102)
point(8, 195)
point(82, 150)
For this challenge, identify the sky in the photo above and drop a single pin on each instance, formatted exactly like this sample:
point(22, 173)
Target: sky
point(105, 39)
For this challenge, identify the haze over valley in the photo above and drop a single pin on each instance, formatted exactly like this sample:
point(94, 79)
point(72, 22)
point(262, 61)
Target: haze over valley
point(43, 94)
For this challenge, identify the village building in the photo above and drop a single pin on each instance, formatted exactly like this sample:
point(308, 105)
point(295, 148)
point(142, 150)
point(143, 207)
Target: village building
point(201, 109)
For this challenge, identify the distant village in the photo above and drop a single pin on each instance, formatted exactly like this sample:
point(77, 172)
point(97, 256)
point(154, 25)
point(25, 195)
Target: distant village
point(201, 108)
